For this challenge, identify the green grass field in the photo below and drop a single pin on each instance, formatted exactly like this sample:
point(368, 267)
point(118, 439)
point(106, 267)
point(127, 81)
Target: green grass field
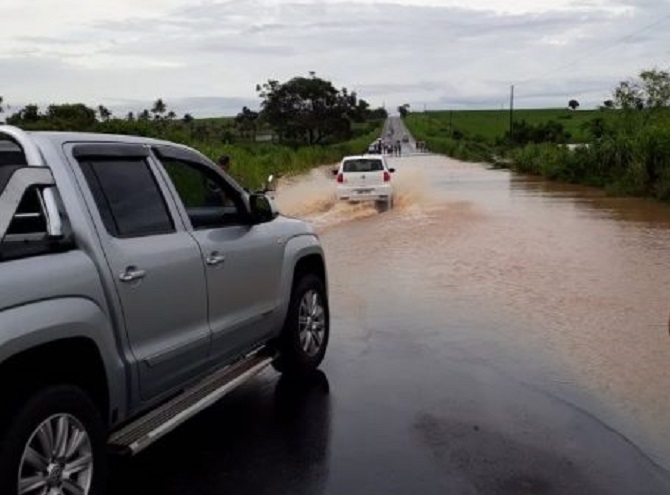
point(489, 125)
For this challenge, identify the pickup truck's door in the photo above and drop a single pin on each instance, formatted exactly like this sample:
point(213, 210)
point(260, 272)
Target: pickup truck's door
point(243, 261)
point(156, 265)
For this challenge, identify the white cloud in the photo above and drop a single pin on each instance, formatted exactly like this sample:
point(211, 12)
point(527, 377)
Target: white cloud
point(497, 6)
point(444, 52)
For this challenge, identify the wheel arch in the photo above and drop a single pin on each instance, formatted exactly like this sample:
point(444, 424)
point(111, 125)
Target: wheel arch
point(304, 254)
point(68, 340)
point(76, 361)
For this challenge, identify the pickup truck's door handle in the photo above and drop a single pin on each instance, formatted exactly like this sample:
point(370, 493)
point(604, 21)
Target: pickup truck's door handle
point(215, 259)
point(131, 274)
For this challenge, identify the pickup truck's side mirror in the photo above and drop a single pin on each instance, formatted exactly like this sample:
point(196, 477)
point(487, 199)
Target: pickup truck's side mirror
point(392, 170)
point(335, 171)
point(261, 208)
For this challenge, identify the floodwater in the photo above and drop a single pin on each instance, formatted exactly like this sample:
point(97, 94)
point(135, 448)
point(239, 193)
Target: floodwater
point(491, 335)
point(579, 282)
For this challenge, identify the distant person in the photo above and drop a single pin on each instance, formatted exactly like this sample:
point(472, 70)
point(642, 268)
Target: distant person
point(224, 163)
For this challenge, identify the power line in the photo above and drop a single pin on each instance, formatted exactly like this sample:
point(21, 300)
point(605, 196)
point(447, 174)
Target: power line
point(603, 49)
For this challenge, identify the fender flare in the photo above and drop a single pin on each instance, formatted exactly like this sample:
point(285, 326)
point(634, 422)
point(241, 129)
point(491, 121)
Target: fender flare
point(297, 248)
point(43, 322)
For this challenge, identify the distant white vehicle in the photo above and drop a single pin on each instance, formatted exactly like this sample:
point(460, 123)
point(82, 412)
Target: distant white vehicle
point(365, 178)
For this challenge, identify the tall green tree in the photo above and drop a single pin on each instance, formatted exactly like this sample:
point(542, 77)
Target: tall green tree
point(104, 113)
point(27, 115)
point(158, 109)
point(308, 110)
point(651, 90)
point(70, 116)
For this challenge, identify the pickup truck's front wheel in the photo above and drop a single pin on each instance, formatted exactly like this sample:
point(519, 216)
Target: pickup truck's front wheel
point(304, 339)
point(53, 445)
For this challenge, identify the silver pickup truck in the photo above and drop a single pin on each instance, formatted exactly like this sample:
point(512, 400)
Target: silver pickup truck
point(138, 285)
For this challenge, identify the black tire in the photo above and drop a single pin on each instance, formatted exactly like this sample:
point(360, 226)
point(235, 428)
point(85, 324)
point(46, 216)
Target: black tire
point(44, 404)
point(293, 358)
point(385, 205)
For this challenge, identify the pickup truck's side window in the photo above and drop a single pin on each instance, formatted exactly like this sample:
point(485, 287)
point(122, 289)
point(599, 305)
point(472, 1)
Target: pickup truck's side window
point(210, 202)
point(127, 196)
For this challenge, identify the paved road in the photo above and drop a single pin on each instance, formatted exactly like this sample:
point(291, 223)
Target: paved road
point(394, 130)
point(467, 355)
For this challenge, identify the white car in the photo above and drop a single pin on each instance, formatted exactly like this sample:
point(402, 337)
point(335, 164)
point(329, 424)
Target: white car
point(365, 178)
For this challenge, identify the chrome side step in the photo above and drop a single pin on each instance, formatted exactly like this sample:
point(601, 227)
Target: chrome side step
point(144, 431)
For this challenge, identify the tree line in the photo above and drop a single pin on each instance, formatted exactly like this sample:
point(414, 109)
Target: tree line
point(624, 146)
point(629, 147)
point(301, 111)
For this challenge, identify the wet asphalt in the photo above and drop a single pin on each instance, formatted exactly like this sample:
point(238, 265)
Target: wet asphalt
point(408, 401)
point(401, 410)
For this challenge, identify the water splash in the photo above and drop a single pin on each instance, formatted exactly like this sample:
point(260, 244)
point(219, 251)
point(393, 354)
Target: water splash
point(312, 197)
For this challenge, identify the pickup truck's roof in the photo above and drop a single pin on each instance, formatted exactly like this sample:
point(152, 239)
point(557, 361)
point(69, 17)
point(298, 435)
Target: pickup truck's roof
point(60, 138)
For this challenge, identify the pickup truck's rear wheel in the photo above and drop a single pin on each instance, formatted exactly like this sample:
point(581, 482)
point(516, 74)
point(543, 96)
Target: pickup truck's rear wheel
point(54, 445)
point(304, 339)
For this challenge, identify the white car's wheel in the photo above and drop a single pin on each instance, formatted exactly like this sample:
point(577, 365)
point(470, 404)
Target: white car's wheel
point(384, 205)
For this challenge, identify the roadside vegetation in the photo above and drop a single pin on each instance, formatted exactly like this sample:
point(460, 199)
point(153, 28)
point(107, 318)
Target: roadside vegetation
point(624, 146)
point(302, 123)
point(483, 135)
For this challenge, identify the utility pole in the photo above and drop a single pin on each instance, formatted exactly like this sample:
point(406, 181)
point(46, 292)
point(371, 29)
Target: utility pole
point(511, 111)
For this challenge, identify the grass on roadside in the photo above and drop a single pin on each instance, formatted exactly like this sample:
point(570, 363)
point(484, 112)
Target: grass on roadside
point(251, 164)
point(488, 126)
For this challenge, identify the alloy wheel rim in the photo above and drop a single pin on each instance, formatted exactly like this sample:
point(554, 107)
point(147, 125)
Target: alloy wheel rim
point(57, 459)
point(311, 323)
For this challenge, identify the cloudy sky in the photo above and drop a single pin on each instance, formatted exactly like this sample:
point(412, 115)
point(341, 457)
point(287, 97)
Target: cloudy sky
point(206, 56)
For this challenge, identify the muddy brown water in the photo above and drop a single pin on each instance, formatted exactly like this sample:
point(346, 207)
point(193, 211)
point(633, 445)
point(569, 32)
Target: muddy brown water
point(580, 282)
